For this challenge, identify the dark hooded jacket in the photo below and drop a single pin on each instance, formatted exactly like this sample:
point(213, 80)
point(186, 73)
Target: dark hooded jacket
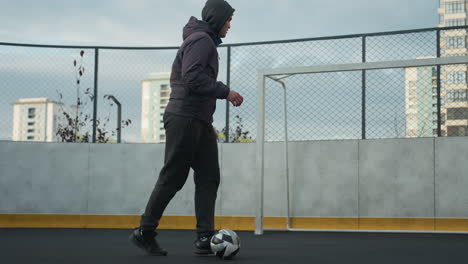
point(194, 84)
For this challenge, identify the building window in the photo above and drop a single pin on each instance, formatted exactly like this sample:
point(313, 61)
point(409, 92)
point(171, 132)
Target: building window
point(456, 42)
point(30, 137)
point(454, 22)
point(457, 113)
point(30, 123)
point(30, 130)
point(164, 87)
point(457, 131)
point(454, 55)
point(454, 7)
point(31, 112)
point(457, 95)
point(456, 77)
point(162, 137)
point(165, 93)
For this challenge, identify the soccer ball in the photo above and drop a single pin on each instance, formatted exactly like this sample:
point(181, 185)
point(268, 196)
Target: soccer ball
point(225, 244)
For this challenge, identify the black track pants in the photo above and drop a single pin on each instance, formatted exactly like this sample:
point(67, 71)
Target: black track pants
point(190, 143)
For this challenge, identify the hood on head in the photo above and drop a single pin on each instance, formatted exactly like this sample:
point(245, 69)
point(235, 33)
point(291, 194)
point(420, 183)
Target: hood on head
point(216, 13)
point(195, 25)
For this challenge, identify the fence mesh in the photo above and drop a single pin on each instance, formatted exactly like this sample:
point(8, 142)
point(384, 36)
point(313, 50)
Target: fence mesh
point(454, 94)
point(123, 73)
point(247, 60)
point(406, 46)
point(398, 102)
point(39, 86)
point(319, 106)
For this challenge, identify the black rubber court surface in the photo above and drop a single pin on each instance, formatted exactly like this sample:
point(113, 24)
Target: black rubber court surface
point(63, 246)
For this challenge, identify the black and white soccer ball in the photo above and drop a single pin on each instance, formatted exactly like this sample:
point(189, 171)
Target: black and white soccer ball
point(225, 244)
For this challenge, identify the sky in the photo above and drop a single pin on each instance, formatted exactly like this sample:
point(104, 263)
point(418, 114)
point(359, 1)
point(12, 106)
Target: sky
point(159, 23)
point(32, 72)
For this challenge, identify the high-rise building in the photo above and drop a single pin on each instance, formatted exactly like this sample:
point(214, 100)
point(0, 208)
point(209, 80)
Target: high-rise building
point(421, 83)
point(155, 96)
point(38, 119)
point(454, 77)
point(421, 101)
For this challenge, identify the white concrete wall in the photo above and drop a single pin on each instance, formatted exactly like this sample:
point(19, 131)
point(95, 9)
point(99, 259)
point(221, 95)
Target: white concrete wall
point(396, 178)
point(372, 178)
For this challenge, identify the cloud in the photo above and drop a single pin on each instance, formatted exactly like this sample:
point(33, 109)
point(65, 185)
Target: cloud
point(155, 23)
point(159, 23)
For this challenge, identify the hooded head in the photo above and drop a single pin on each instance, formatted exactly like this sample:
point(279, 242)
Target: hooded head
point(216, 13)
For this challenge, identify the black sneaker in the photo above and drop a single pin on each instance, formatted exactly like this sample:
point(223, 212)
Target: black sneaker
point(202, 246)
point(147, 242)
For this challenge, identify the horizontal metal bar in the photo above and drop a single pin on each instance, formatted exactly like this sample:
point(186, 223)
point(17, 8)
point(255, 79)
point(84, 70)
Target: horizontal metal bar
point(386, 33)
point(84, 47)
point(366, 66)
point(410, 31)
point(364, 231)
point(294, 40)
point(376, 34)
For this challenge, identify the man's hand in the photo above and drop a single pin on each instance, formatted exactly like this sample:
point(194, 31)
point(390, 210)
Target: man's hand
point(235, 98)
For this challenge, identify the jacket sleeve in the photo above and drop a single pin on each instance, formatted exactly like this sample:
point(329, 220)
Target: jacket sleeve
point(195, 59)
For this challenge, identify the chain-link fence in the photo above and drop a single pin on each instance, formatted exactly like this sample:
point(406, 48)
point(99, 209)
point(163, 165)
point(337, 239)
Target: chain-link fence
point(384, 103)
point(61, 93)
point(40, 89)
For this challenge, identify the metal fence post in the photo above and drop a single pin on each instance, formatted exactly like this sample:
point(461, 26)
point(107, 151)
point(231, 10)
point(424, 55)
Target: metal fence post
point(228, 83)
point(96, 67)
point(439, 119)
point(363, 128)
point(119, 117)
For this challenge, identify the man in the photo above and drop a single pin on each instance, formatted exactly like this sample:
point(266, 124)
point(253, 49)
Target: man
point(191, 141)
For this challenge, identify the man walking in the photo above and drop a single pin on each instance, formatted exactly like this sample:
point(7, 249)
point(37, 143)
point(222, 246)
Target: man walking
point(191, 141)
